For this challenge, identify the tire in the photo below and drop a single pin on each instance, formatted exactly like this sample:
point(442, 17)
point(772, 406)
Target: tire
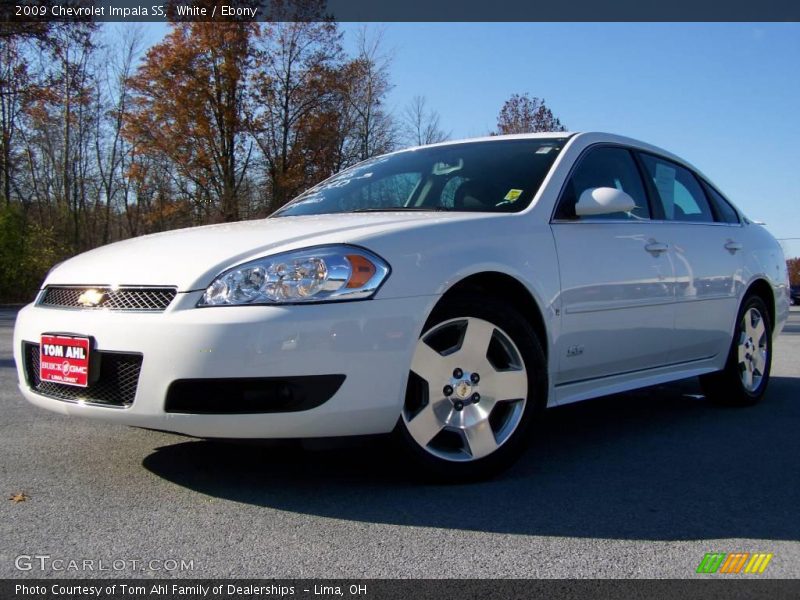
point(477, 383)
point(745, 377)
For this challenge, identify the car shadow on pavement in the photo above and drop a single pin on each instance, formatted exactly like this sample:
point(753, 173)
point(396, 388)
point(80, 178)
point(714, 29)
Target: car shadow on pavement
point(656, 464)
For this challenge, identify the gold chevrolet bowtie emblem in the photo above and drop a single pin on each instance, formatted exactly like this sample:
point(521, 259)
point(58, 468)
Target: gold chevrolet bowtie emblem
point(463, 389)
point(91, 298)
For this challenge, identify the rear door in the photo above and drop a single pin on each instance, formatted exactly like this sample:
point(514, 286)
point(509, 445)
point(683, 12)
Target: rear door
point(617, 281)
point(708, 250)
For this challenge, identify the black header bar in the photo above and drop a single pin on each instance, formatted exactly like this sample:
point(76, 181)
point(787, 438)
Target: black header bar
point(401, 10)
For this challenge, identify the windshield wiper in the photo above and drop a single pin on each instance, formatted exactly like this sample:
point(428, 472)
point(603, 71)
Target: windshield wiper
point(404, 208)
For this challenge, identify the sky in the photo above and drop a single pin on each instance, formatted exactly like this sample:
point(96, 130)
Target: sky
point(724, 96)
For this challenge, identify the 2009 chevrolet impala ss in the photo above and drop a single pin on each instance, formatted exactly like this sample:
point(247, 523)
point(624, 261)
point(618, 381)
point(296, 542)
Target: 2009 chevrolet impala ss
point(446, 294)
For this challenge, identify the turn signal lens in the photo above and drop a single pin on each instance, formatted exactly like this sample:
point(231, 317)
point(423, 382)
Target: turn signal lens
point(363, 271)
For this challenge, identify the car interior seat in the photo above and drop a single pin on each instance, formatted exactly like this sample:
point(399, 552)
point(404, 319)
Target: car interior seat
point(474, 195)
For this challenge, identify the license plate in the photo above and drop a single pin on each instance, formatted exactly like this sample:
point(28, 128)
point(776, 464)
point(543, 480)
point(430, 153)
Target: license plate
point(64, 359)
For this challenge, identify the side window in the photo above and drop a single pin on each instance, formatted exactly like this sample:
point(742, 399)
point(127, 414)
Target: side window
point(725, 212)
point(605, 167)
point(680, 194)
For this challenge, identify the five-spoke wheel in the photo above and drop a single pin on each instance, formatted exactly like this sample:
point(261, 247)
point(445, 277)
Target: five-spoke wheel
point(752, 350)
point(476, 377)
point(746, 374)
point(471, 391)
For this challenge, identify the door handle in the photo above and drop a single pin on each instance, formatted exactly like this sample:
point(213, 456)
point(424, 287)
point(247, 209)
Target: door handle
point(655, 248)
point(733, 247)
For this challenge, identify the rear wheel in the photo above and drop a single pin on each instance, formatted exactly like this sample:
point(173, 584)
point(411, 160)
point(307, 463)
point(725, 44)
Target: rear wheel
point(477, 380)
point(744, 379)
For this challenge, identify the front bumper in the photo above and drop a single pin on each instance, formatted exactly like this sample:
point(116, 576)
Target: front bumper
point(371, 343)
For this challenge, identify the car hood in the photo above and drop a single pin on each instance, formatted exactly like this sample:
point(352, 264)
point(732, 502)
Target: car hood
point(189, 259)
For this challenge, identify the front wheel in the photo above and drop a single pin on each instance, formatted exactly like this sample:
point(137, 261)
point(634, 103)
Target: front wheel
point(744, 379)
point(477, 381)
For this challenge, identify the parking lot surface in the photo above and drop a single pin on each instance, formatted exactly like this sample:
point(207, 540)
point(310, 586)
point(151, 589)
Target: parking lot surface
point(633, 485)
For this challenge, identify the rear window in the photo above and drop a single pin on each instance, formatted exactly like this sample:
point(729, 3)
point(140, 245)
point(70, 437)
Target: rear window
point(679, 192)
point(725, 212)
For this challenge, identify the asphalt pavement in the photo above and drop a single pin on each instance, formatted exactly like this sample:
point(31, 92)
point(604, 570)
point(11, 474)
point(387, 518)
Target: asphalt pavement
point(633, 485)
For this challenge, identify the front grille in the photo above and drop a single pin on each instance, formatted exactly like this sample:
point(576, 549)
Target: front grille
point(115, 386)
point(123, 298)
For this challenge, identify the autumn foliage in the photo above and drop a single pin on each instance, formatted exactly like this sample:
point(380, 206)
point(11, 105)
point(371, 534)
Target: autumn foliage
point(793, 265)
point(101, 140)
point(188, 109)
point(525, 114)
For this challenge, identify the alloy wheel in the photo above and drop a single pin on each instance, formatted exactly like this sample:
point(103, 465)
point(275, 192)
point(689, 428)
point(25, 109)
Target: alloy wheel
point(752, 350)
point(467, 390)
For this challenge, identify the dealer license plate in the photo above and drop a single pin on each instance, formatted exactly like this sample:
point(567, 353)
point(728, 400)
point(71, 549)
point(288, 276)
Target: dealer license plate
point(64, 359)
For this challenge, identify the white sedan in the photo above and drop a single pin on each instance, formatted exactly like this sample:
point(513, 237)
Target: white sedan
point(447, 294)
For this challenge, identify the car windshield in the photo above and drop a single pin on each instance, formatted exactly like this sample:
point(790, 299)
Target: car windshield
point(490, 176)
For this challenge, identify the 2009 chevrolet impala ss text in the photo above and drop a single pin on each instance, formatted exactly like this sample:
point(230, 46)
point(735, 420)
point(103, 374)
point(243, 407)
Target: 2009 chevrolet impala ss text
point(446, 294)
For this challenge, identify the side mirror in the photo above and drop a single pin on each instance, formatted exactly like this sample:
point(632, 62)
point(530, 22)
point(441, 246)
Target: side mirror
point(603, 201)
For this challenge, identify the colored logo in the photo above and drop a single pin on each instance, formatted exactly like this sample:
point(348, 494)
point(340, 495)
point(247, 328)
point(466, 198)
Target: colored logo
point(738, 562)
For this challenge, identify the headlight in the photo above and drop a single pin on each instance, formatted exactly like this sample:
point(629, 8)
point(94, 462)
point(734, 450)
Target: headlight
point(321, 274)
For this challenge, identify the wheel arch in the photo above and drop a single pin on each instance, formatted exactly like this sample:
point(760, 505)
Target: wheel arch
point(762, 288)
point(508, 288)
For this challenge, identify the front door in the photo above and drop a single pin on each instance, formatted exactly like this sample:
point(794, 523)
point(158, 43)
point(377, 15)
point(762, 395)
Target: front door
point(617, 279)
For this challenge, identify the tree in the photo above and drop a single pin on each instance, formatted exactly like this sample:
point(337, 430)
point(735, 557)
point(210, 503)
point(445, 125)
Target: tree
point(525, 114)
point(27, 251)
point(793, 265)
point(188, 106)
point(112, 152)
point(420, 125)
point(291, 107)
point(58, 132)
point(368, 75)
point(13, 30)
point(96, 145)
point(15, 85)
